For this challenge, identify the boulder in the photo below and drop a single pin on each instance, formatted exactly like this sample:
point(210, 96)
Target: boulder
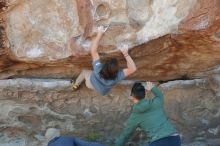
point(167, 39)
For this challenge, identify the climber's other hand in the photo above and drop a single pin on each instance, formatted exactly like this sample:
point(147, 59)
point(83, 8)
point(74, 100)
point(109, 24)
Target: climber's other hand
point(149, 86)
point(123, 48)
point(102, 29)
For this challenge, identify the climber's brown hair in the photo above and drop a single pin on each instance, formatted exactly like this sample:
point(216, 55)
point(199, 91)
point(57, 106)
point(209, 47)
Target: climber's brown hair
point(110, 69)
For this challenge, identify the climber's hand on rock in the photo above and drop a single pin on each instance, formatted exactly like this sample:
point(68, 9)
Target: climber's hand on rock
point(101, 29)
point(124, 49)
point(149, 86)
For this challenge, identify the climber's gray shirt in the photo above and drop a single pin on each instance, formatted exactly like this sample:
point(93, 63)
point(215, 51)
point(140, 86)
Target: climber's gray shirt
point(101, 85)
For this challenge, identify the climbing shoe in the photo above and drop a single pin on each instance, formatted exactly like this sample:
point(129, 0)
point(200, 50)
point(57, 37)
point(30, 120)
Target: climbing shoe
point(74, 86)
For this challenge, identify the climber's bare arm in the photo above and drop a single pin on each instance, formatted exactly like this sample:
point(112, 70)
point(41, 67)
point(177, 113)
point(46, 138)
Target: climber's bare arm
point(95, 43)
point(157, 93)
point(131, 67)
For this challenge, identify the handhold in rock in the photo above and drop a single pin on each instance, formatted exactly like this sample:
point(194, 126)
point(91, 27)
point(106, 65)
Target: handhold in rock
point(79, 46)
point(102, 11)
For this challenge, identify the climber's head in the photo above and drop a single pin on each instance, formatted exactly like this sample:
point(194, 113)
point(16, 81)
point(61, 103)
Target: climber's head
point(110, 69)
point(137, 92)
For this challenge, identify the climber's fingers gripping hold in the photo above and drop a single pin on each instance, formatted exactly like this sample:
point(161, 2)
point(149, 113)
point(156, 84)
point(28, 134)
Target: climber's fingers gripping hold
point(123, 48)
point(102, 29)
point(149, 85)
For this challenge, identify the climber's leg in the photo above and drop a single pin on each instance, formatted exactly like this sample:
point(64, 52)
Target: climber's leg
point(87, 78)
point(84, 75)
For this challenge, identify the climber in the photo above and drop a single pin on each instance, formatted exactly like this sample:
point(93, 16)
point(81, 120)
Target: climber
point(149, 115)
point(104, 75)
point(53, 138)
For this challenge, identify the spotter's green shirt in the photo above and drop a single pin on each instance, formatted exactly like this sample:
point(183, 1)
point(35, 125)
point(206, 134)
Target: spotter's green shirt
point(149, 115)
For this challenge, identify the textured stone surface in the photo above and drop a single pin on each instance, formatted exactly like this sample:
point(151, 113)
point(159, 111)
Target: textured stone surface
point(40, 29)
point(35, 36)
point(30, 106)
point(168, 39)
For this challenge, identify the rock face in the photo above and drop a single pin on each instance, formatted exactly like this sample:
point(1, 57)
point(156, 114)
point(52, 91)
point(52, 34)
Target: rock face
point(41, 29)
point(168, 39)
point(29, 106)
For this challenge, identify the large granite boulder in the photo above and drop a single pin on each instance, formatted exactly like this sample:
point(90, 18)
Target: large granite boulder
point(167, 39)
point(29, 106)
